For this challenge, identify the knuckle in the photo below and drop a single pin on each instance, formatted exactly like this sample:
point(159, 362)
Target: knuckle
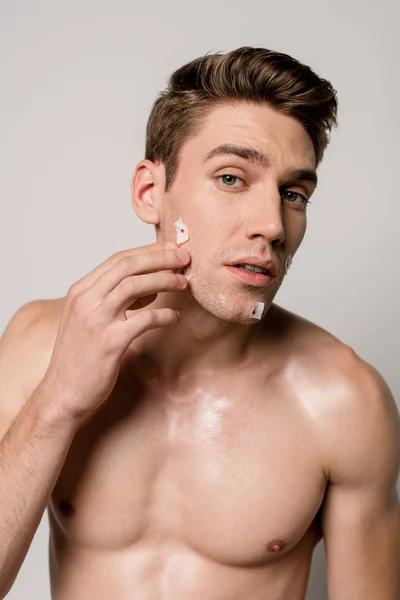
point(126, 263)
point(114, 259)
point(77, 303)
point(127, 286)
point(126, 266)
point(117, 256)
point(73, 290)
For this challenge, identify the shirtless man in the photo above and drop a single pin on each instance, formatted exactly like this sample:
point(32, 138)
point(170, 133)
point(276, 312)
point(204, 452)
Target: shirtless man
point(202, 456)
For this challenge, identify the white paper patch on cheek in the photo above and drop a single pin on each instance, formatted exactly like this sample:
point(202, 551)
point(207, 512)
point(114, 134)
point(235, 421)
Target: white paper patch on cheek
point(182, 234)
point(258, 310)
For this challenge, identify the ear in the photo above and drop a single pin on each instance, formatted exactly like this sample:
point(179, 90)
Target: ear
point(147, 191)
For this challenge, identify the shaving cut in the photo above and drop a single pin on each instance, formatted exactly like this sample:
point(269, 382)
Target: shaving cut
point(182, 234)
point(258, 310)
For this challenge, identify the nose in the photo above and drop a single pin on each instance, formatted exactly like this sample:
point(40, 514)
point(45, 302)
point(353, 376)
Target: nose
point(265, 218)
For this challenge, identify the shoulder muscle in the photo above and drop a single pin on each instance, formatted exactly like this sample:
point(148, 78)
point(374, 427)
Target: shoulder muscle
point(23, 348)
point(362, 427)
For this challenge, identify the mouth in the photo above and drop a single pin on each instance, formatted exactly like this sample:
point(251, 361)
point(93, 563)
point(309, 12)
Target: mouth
point(257, 264)
point(251, 277)
point(253, 274)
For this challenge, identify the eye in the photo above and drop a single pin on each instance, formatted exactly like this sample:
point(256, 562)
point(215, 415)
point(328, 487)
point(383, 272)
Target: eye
point(228, 177)
point(292, 196)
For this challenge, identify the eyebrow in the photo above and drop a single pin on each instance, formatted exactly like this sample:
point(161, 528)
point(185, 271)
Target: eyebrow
point(259, 158)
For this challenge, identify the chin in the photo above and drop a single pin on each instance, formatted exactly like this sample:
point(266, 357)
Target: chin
point(228, 308)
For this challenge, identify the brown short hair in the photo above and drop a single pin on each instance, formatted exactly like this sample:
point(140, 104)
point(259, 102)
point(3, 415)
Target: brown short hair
point(247, 74)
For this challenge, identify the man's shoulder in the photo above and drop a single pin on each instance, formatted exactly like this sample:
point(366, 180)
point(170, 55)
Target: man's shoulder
point(316, 348)
point(41, 331)
point(332, 379)
point(37, 322)
point(350, 403)
point(312, 347)
point(26, 346)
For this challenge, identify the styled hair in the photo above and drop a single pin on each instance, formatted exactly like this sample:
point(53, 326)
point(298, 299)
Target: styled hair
point(246, 74)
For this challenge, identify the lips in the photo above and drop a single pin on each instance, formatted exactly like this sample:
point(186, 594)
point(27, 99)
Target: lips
point(264, 263)
point(251, 277)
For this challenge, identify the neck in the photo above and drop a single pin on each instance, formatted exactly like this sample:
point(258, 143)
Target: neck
point(200, 345)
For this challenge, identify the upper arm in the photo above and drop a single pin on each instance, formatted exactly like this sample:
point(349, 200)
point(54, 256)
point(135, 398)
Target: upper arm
point(19, 368)
point(360, 515)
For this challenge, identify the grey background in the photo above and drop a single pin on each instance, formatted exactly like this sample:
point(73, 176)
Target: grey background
point(77, 83)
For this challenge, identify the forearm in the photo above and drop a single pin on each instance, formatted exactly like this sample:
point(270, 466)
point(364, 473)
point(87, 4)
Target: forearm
point(32, 454)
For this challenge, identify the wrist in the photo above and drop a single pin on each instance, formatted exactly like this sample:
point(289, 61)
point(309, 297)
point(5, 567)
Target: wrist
point(48, 405)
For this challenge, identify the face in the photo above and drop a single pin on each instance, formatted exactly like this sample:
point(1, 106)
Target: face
point(235, 207)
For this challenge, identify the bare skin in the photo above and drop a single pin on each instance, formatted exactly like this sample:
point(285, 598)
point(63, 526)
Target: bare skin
point(227, 448)
point(213, 488)
point(210, 488)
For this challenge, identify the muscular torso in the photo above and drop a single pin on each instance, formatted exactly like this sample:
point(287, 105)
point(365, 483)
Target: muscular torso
point(209, 492)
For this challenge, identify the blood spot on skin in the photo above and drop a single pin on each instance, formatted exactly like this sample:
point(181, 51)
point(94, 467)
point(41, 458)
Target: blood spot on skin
point(66, 508)
point(276, 546)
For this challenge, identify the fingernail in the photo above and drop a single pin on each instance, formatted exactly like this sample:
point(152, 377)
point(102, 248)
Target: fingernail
point(182, 279)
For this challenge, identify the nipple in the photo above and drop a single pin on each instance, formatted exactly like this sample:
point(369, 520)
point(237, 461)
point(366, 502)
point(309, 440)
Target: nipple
point(276, 546)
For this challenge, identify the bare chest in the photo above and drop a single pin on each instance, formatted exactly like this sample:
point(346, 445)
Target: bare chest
point(226, 471)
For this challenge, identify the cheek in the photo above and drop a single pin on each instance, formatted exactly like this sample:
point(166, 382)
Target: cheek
point(205, 224)
point(212, 223)
point(205, 216)
point(211, 215)
point(209, 208)
point(295, 229)
point(302, 231)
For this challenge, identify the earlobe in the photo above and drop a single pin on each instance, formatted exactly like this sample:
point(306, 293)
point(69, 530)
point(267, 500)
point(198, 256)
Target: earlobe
point(144, 189)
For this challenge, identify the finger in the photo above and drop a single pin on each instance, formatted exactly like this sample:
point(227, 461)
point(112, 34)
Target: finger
point(89, 279)
point(142, 302)
point(129, 329)
point(130, 289)
point(129, 266)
